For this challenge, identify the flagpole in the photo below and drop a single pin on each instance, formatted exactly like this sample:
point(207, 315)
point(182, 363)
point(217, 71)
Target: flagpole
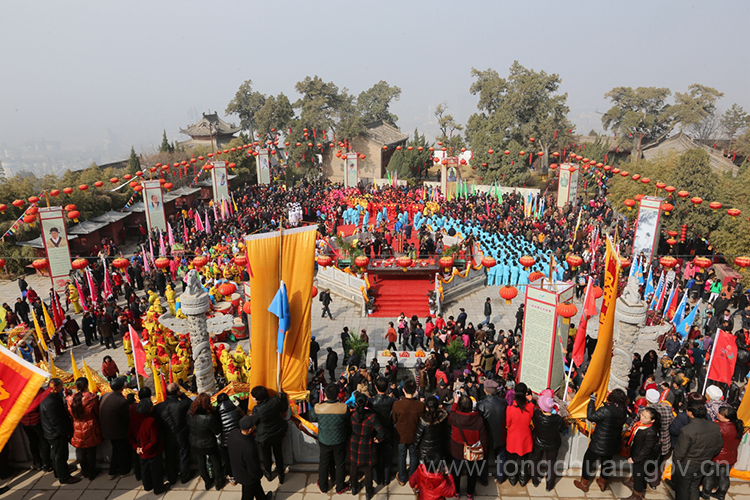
point(710, 362)
point(278, 354)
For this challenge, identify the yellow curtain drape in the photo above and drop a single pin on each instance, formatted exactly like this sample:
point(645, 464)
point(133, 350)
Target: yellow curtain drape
point(596, 379)
point(297, 269)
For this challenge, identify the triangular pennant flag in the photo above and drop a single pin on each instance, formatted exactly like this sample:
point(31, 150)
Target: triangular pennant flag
point(74, 367)
point(39, 336)
point(52, 368)
point(93, 386)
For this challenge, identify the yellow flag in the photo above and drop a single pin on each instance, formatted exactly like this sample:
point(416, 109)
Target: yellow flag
point(76, 373)
point(48, 323)
point(157, 384)
point(93, 386)
point(39, 336)
point(743, 412)
point(3, 321)
point(52, 368)
point(596, 380)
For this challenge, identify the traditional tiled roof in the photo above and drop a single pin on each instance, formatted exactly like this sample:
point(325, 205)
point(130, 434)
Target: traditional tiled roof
point(210, 125)
point(38, 243)
point(384, 133)
point(681, 143)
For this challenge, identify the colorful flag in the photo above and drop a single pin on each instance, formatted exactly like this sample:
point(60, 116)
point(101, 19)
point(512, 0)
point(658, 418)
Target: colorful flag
point(579, 345)
point(723, 359)
point(139, 353)
point(52, 368)
point(48, 323)
point(658, 292)
point(20, 385)
point(589, 301)
point(679, 313)
point(668, 303)
point(93, 386)
point(207, 228)
point(74, 367)
point(39, 336)
point(280, 308)
point(596, 380)
point(684, 327)
point(158, 390)
point(170, 236)
point(649, 283)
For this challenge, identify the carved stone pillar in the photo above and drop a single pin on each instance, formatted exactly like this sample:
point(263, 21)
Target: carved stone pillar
point(195, 306)
point(628, 317)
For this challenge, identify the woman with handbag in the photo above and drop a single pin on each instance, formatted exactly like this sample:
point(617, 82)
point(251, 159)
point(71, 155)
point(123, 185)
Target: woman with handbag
point(644, 451)
point(468, 444)
point(520, 442)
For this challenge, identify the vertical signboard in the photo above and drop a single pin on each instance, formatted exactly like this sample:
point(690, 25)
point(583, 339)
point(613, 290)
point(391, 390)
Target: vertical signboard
point(55, 238)
point(647, 227)
point(263, 166)
point(152, 198)
point(541, 364)
point(449, 175)
point(220, 180)
point(567, 187)
point(351, 170)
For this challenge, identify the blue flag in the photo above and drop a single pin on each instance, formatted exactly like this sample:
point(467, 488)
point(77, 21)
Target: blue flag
point(649, 284)
point(680, 312)
point(684, 327)
point(659, 288)
point(280, 307)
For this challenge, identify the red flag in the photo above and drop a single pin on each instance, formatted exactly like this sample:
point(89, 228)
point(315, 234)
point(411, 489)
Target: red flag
point(555, 136)
point(19, 389)
point(139, 353)
point(723, 358)
point(589, 301)
point(672, 307)
point(579, 346)
point(164, 385)
point(605, 158)
point(315, 135)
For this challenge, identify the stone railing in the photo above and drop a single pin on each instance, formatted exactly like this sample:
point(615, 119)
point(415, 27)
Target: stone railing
point(344, 285)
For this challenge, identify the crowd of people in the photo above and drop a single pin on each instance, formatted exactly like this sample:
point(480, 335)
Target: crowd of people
point(367, 412)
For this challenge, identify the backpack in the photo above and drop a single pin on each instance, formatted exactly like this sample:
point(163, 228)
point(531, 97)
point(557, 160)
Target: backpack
point(321, 296)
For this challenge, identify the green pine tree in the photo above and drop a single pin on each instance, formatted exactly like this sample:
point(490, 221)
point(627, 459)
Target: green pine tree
point(134, 163)
point(165, 146)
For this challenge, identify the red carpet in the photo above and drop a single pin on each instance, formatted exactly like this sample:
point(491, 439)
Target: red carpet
point(394, 295)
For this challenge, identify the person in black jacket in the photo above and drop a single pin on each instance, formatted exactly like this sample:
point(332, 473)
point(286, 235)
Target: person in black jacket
point(314, 349)
point(243, 455)
point(332, 361)
point(382, 405)
point(548, 428)
point(432, 429)
point(492, 409)
point(88, 324)
point(57, 427)
point(172, 417)
point(204, 425)
point(605, 440)
point(645, 450)
point(271, 427)
point(114, 418)
point(229, 415)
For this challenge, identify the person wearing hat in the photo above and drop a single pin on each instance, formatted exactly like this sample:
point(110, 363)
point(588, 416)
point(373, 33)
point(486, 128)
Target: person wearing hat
point(492, 410)
point(714, 401)
point(657, 401)
point(245, 460)
point(114, 417)
point(548, 428)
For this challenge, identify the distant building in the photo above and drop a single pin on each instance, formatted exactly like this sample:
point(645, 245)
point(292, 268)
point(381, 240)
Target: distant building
point(210, 132)
point(681, 143)
point(370, 143)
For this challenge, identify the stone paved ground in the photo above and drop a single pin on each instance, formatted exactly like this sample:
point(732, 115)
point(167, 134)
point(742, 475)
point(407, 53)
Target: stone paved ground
point(302, 485)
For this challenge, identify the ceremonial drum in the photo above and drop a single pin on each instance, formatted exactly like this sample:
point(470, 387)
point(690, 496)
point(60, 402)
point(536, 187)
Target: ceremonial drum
point(239, 330)
point(235, 301)
point(223, 307)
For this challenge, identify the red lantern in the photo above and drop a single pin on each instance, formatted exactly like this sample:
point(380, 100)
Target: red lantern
point(168, 186)
point(714, 205)
point(508, 293)
point(734, 212)
point(742, 261)
point(702, 262)
point(672, 233)
point(140, 172)
point(667, 207)
point(324, 261)
point(55, 193)
point(138, 189)
point(227, 289)
point(18, 203)
point(83, 187)
point(40, 264)
point(200, 261)
point(553, 166)
point(668, 261)
point(696, 200)
point(33, 199)
point(127, 177)
point(246, 308)
point(314, 291)
point(615, 170)
point(671, 242)
point(240, 260)
point(446, 262)
point(567, 311)
point(74, 214)
point(522, 153)
point(507, 151)
point(526, 261)
point(639, 197)
point(624, 173)
point(535, 276)
point(68, 191)
point(629, 203)
point(574, 261)
point(361, 261)
point(598, 292)
point(3, 208)
point(404, 262)
point(645, 180)
point(121, 263)
point(2, 263)
point(670, 189)
point(624, 262)
point(32, 211)
point(636, 177)
point(162, 263)
point(683, 194)
point(488, 262)
point(99, 184)
point(29, 219)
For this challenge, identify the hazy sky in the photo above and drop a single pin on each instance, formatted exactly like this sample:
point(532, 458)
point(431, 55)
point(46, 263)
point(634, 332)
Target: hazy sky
point(81, 71)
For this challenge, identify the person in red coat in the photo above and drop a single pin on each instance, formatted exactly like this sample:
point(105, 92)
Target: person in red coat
point(467, 427)
point(432, 480)
point(520, 441)
point(87, 433)
point(732, 429)
point(143, 434)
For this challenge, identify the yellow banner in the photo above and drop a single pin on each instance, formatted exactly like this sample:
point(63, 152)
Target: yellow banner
point(596, 380)
point(296, 262)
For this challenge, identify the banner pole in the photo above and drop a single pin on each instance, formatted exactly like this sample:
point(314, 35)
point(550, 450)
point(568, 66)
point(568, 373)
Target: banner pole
point(711, 361)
